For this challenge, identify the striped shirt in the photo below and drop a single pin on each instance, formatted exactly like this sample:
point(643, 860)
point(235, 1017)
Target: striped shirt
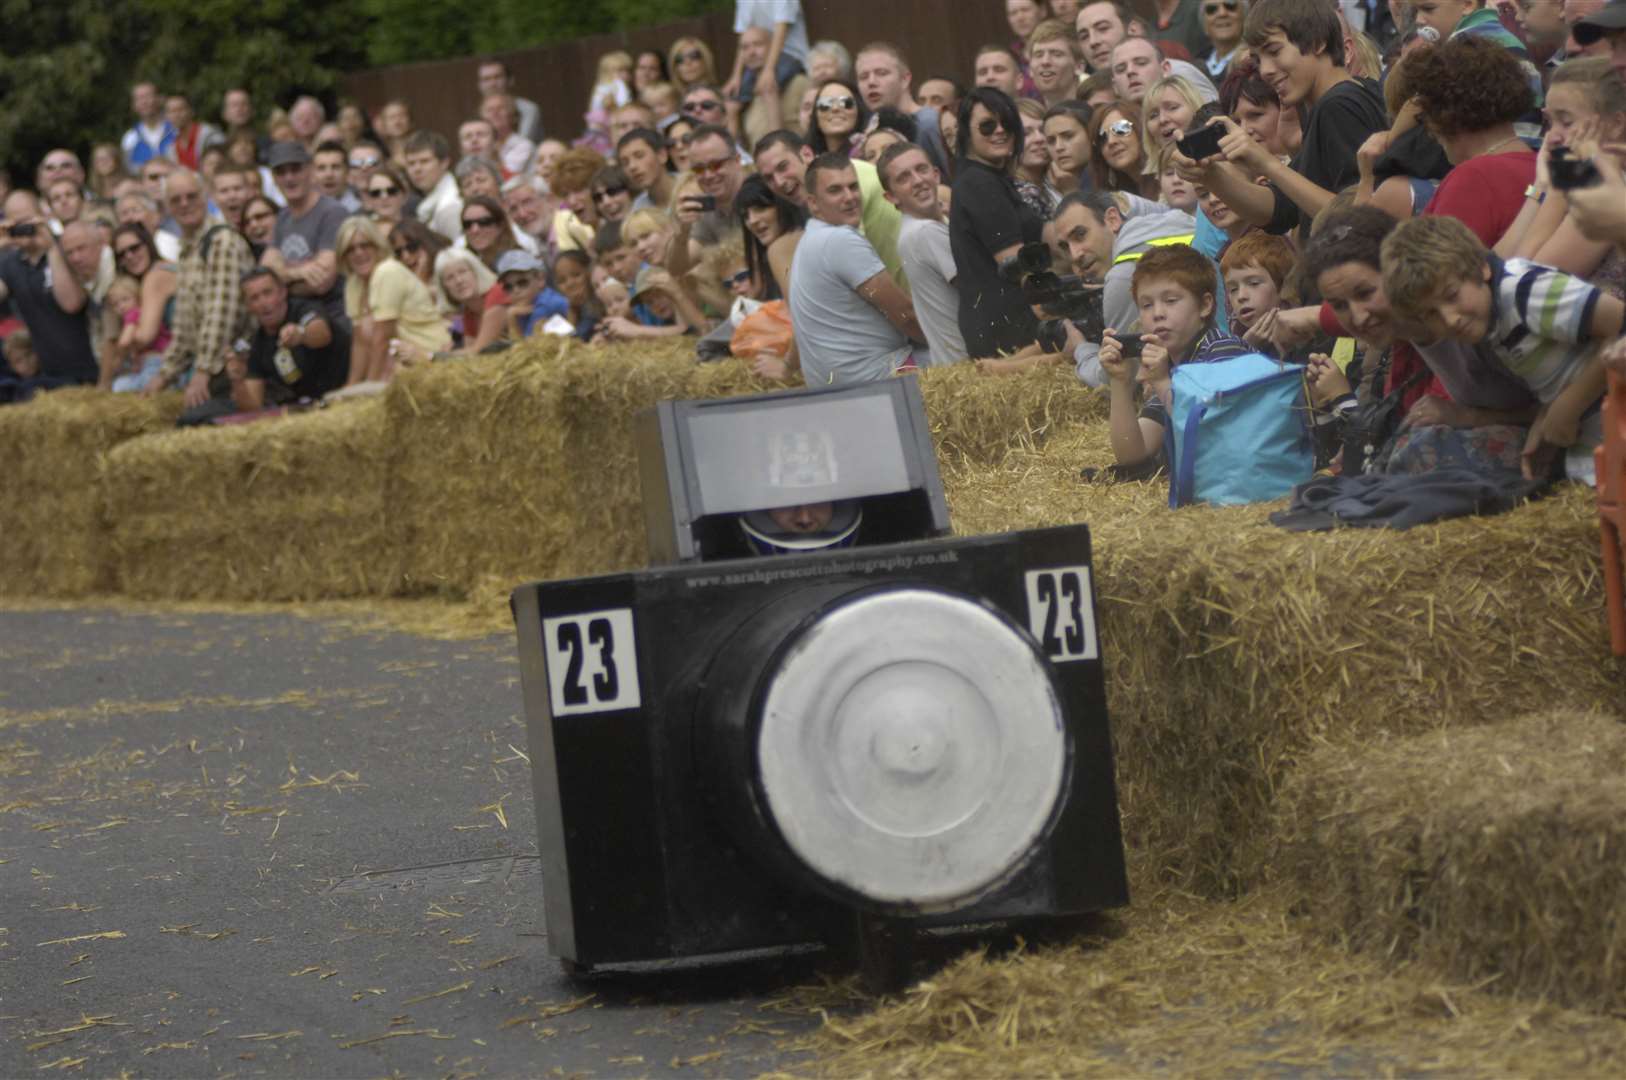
point(1541, 322)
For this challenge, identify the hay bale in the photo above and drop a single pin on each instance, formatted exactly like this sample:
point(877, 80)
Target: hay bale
point(473, 481)
point(1496, 854)
point(50, 507)
point(1233, 647)
point(285, 509)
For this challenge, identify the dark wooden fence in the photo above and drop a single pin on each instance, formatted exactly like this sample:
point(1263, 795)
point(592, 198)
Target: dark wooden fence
point(938, 36)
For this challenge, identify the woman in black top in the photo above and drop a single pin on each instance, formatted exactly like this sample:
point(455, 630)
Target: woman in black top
point(988, 223)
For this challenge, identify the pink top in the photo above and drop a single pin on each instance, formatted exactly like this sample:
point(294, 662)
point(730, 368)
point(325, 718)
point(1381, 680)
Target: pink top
point(159, 343)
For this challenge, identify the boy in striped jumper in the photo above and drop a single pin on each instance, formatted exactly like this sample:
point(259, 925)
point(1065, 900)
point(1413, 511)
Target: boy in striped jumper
point(1540, 324)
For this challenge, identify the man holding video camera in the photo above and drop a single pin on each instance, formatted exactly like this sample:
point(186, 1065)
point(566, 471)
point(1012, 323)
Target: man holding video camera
point(1104, 234)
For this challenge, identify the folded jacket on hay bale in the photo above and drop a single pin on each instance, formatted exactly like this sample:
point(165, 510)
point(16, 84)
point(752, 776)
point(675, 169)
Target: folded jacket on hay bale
point(51, 514)
point(1496, 853)
point(285, 509)
point(1233, 647)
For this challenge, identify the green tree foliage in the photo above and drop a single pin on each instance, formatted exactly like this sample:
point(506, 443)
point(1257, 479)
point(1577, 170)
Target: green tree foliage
point(66, 66)
point(406, 30)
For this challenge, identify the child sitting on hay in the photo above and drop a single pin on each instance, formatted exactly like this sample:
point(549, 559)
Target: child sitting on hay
point(1173, 287)
point(1534, 321)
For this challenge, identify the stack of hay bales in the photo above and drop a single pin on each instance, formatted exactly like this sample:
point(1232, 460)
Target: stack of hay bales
point(51, 515)
point(1234, 647)
point(285, 509)
point(473, 480)
point(1496, 854)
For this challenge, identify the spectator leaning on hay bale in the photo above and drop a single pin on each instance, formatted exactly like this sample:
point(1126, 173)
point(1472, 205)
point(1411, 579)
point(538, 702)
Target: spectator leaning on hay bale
point(294, 352)
point(384, 301)
point(853, 323)
point(208, 302)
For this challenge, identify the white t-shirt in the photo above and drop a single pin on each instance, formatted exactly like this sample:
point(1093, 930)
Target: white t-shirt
point(768, 14)
point(923, 246)
point(842, 337)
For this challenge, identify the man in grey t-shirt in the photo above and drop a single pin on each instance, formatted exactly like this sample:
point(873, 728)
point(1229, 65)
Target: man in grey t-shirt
point(301, 251)
point(852, 321)
point(911, 183)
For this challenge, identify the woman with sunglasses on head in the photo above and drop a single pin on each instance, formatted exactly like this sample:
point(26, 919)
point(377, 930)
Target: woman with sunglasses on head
point(988, 224)
point(1119, 155)
point(384, 195)
point(839, 118)
point(772, 226)
point(259, 224)
point(136, 256)
point(1222, 22)
point(691, 64)
point(416, 246)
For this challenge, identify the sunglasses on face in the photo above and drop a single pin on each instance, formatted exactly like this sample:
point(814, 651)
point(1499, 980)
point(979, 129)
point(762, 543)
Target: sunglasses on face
point(987, 127)
point(609, 192)
point(707, 168)
point(125, 252)
point(739, 280)
point(689, 57)
point(515, 281)
point(383, 192)
point(826, 104)
point(702, 106)
point(479, 222)
point(410, 247)
point(1120, 128)
point(364, 163)
point(1214, 9)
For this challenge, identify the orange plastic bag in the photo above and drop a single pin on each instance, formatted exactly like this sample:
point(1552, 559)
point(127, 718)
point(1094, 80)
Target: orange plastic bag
point(765, 331)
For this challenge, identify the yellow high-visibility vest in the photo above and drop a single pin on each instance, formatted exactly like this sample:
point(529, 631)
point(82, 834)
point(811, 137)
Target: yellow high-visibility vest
point(1162, 241)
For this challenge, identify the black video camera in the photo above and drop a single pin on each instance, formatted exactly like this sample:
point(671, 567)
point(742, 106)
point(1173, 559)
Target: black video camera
point(1064, 298)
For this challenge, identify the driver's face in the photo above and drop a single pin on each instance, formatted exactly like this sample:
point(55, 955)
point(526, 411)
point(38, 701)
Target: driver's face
point(807, 518)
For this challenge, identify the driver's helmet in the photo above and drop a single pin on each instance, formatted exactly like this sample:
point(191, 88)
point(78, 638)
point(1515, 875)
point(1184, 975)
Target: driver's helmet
point(768, 537)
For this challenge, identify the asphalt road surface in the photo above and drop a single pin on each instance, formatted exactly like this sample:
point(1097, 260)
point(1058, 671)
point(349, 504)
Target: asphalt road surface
point(260, 845)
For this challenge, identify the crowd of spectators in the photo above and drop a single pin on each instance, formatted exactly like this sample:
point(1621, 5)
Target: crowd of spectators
point(1419, 201)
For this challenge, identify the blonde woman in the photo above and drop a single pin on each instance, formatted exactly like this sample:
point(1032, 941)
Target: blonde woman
point(1168, 109)
point(385, 302)
point(691, 63)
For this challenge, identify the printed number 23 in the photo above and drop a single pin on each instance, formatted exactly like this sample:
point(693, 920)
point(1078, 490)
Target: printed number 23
point(592, 661)
point(600, 637)
point(1060, 613)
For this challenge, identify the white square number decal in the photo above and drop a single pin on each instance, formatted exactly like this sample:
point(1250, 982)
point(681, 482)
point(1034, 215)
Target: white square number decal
point(1061, 612)
point(592, 662)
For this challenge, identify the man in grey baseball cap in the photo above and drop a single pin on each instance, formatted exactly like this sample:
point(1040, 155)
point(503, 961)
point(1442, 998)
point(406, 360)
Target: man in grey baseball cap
point(1608, 22)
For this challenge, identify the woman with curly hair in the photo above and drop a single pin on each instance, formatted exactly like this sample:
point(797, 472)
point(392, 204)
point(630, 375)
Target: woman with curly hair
point(1470, 92)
